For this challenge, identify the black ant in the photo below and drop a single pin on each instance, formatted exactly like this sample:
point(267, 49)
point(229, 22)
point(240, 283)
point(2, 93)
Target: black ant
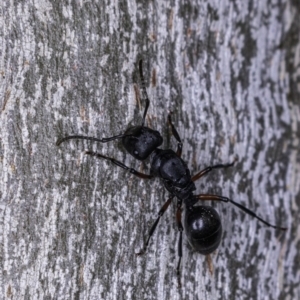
point(202, 224)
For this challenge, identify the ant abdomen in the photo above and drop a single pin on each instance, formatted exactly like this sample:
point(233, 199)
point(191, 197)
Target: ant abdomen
point(203, 228)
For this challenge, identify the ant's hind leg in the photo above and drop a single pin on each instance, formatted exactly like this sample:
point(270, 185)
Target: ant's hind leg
point(205, 197)
point(180, 229)
point(176, 135)
point(121, 165)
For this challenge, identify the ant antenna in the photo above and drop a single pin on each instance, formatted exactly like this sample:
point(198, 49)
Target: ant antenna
point(81, 137)
point(144, 91)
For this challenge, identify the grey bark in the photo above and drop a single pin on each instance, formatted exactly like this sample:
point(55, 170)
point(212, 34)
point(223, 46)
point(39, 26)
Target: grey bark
point(70, 224)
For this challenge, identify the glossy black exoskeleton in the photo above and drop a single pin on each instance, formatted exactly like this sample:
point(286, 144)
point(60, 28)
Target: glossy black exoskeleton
point(205, 228)
point(202, 224)
point(168, 166)
point(141, 141)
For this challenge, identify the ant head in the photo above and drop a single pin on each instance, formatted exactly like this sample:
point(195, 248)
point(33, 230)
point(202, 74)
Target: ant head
point(141, 141)
point(203, 228)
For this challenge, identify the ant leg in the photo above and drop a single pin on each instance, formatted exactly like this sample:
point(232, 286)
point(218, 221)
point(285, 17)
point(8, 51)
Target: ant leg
point(121, 165)
point(81, 137)
point(210, 168)
point(152, 229)
point(144, 91)
point(243, 208)
point(176, 135)
point(180, 229)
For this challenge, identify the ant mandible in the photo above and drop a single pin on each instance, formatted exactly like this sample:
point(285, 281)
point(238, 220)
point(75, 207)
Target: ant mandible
point(202, 224)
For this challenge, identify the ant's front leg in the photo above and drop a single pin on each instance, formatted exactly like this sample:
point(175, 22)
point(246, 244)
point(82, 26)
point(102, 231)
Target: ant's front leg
point(121, 165)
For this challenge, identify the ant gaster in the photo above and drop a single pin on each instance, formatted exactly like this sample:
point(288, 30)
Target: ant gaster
point(202, 224)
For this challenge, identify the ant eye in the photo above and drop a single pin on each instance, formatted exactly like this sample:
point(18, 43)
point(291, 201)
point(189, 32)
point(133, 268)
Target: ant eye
point(135, 152)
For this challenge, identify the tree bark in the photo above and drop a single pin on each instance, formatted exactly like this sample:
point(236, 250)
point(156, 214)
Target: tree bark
point(71, 224)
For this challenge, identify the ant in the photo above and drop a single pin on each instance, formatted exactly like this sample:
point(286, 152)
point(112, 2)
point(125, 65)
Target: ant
point(202, 224)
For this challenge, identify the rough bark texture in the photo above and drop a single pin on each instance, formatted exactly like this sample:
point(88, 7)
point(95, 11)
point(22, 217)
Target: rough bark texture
point(71, 224)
